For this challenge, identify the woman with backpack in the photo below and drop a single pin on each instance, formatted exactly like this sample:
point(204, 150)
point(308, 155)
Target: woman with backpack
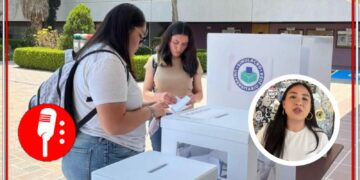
point(105, 81)
point(173, 72)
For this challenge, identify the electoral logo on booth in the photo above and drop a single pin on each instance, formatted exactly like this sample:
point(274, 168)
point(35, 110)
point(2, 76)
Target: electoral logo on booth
point(248, 74)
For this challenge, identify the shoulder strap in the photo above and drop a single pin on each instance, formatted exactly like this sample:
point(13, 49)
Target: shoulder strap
point(69, 103)
point(154, 63)
point(87, 118)
point(108, 51)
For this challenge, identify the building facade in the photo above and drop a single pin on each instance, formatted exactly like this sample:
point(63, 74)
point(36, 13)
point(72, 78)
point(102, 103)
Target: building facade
point(229, 16)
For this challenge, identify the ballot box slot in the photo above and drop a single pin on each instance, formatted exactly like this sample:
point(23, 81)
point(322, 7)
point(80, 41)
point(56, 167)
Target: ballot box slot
point(157, 168)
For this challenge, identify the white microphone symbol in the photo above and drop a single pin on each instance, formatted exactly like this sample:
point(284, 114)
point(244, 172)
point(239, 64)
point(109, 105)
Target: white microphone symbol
point(46, 127)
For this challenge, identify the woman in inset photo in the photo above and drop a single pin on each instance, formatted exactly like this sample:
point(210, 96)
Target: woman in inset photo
point(293, 134)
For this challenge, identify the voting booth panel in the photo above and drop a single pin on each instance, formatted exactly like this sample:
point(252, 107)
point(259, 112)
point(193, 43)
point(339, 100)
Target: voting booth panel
point(154, 165)
point(233, 59)
point(316, 58)
point(214, 135)
point(240, 64)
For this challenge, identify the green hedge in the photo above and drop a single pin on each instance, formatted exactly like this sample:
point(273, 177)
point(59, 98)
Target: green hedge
point(143, 50)
point(15, 43)
point(138, 63)
point(155, 41)
point(203, 61)
point(201, 50)
point(39, 58)
point(50, 59)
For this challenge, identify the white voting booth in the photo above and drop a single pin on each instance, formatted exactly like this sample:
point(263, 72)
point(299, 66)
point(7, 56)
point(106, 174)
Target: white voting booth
point(238, 65)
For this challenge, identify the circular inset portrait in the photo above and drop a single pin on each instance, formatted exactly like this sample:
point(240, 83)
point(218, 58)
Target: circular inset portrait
point(294, 120)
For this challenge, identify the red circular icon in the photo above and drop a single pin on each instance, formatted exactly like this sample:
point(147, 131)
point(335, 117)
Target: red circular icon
point(46, 132)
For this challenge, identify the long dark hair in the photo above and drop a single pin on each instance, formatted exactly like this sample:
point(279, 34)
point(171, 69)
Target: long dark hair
point(115, 29)
point(188, 57)
point(274, 137)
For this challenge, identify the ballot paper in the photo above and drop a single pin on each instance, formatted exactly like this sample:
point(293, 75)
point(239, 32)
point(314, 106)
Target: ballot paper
point(173, 108)
point(180, 104)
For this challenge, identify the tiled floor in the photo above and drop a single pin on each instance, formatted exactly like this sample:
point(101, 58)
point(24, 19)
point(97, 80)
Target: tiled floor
point(341, 168)
point(23, 83)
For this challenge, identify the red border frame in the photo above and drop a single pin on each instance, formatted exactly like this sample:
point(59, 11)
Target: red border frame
point(353, 169)
point(6, 87)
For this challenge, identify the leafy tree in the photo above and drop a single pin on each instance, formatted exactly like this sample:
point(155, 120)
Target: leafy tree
point(53, 7)
point(79, 20)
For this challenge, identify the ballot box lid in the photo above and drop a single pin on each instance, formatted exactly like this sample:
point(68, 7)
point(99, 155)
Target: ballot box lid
point(217, 121)
point(155, 165)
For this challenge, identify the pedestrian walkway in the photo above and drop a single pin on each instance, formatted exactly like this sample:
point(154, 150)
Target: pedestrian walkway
point(23, 83)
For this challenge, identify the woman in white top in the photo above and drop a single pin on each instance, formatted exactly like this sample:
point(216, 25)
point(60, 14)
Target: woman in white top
point(117, 131)
point(294, 135)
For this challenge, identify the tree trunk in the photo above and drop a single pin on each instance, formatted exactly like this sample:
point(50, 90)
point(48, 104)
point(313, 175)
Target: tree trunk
point(36, 23)
point(175, 14)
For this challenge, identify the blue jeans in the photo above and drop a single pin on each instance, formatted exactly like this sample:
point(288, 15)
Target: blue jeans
point(90, 153)
point(156, 140)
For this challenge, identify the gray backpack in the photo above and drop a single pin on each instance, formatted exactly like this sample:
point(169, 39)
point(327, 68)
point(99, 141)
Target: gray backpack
point(58, 89)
